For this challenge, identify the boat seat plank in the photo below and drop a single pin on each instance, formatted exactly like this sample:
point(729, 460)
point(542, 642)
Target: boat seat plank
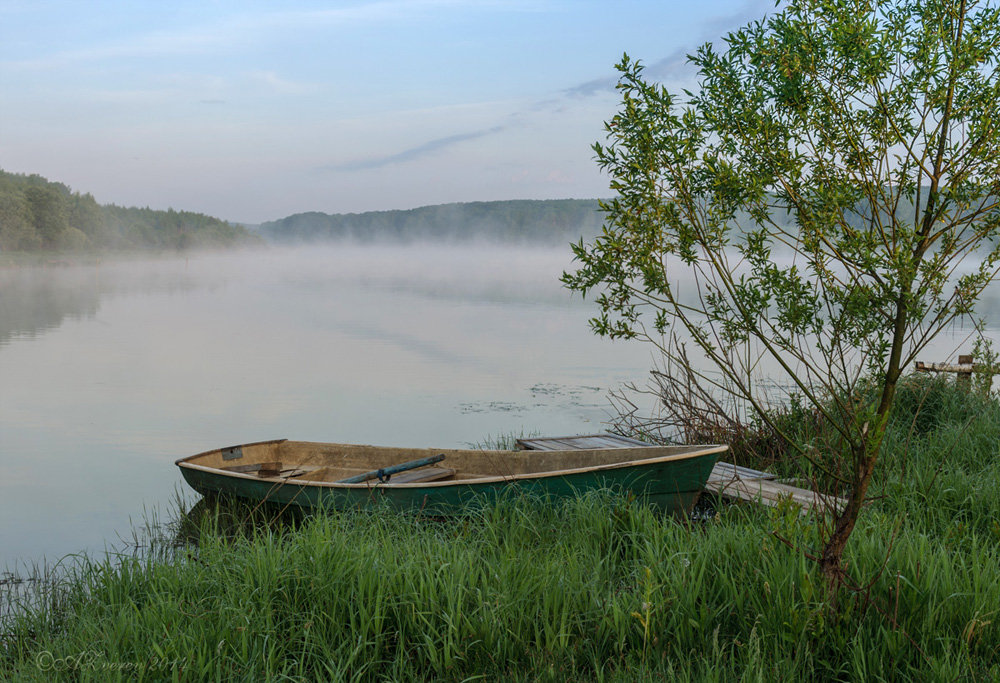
point(587, 442)
point(273, 467)
point(536, 445)
point(422, 474)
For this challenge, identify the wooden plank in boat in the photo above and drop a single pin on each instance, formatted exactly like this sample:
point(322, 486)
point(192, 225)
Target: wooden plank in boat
point(260, 467)
point(586, 442)
point(628, 442)
point(269, 469)
point(540, 446)
point(422, 474)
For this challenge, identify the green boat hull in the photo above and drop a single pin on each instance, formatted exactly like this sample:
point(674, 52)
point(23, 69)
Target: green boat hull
point(672, 485)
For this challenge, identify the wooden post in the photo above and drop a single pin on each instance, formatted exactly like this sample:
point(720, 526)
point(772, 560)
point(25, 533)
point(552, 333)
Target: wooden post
point(964, 377)
point(963, 370)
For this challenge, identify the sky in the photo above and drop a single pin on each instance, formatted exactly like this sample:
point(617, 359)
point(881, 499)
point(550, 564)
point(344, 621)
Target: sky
point(255, 110)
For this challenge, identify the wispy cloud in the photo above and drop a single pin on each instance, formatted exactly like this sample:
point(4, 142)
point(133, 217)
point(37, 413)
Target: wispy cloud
point(592, 87)
point(413, 153)
point(675, 66)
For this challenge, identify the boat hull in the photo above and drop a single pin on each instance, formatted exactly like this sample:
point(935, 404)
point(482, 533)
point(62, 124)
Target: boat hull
point(672, 485)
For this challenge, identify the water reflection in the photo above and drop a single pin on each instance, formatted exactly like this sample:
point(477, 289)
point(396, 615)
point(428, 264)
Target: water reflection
point(32, 302)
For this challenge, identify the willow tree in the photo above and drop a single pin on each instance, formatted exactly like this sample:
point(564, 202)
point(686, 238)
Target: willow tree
point(822, 189)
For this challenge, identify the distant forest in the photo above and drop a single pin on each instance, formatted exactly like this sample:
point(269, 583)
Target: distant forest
point(551, 221)
point(39, 215)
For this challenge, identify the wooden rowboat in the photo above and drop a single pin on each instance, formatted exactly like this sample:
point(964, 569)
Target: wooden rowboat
point(328, 475)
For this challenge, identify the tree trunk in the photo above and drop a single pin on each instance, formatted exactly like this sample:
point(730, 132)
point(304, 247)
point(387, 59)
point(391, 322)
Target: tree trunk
point(864, 456)
point(831, 561)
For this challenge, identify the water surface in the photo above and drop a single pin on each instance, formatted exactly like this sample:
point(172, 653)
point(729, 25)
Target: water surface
point(110, 372)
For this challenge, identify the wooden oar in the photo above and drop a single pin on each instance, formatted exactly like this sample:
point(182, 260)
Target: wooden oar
point(383, 473)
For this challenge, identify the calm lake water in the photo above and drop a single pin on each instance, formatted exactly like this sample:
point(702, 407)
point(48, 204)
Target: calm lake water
point(111, 372)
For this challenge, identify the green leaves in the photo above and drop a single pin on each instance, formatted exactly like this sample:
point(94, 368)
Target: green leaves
point(811, 206)
point(856, 141)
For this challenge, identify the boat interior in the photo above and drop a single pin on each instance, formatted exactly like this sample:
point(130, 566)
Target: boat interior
point(304, 461)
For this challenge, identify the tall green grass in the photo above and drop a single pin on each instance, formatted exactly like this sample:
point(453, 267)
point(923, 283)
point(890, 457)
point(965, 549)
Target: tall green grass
point(594, 588)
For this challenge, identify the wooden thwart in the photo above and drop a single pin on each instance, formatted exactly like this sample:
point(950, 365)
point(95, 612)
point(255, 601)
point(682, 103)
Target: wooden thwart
point(270, 469)
point(728, 480)
point(424, 474)
point(567, 443)
point(262, 469)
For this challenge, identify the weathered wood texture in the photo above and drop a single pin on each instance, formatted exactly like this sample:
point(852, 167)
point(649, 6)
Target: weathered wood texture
point(963, 371)
point(731, 484)
point(268, 469)
point(424, 474)
point(945, 367)
point(568, 443)
point(731, 481)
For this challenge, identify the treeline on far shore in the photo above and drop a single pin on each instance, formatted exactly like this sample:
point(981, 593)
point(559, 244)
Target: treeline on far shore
point(40, 215)
point(546, 221)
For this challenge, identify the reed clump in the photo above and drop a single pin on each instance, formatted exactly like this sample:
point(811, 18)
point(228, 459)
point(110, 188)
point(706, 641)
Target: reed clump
point(594, 588)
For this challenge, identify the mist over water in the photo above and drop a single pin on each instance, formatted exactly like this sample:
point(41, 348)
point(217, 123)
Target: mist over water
point(113, 371)
point(955, 339)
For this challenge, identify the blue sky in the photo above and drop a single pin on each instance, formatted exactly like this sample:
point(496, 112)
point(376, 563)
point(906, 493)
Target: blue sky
point(251, 111)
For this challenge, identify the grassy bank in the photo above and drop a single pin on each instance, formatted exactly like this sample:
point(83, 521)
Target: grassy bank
point(594, 588)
